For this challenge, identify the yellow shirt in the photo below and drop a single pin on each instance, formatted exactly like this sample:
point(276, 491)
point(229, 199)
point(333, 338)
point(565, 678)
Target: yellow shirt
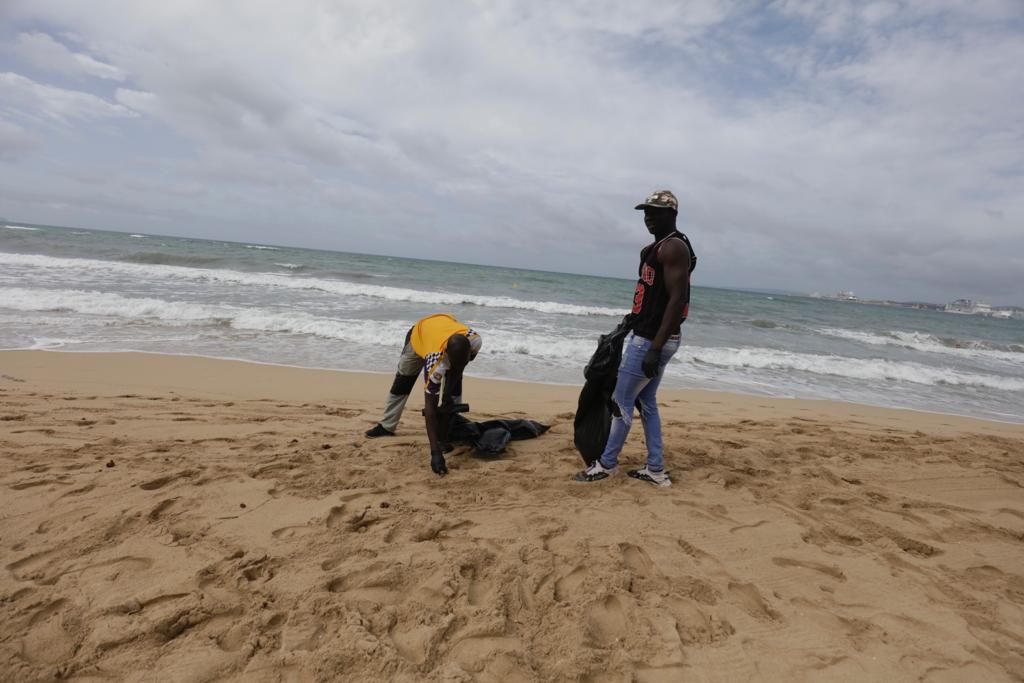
point(431, 334)
point(429, 338)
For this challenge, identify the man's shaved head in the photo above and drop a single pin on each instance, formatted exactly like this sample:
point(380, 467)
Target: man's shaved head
point(458, 351)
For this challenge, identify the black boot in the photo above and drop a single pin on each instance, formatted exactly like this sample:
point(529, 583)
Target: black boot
point(378, 431)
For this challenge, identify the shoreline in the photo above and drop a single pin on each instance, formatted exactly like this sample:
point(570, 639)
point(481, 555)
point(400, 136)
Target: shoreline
point(183, 518)
point(714, 394)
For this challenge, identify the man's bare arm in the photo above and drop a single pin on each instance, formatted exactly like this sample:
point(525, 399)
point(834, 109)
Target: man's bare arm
point(675, 257)
point(432, 416)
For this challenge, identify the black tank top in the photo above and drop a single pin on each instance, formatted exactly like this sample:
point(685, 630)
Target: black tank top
point(651, 297)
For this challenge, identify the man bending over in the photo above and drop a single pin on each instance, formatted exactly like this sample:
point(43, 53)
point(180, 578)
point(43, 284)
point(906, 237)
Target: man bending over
point(441, 347)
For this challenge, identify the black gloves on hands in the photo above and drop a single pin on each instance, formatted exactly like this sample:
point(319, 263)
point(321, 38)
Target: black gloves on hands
point(650, 363)
point(437, 463)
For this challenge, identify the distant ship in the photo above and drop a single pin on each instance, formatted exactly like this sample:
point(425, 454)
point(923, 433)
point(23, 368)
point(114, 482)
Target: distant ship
point(970, 307)
point(962, 306)
point(846, 296)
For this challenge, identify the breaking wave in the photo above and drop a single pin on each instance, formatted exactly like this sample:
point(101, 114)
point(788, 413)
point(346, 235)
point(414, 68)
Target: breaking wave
point(147, 272)
point(160, 258)
point(919, 341)
point(373, 332)
point(863, 369)
point(558, 350)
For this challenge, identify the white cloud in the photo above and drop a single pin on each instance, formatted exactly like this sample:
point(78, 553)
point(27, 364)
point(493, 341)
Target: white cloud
point(33, 99)
point(816, 145)
point(15, 141)
point(41, 50)
point(137, 100)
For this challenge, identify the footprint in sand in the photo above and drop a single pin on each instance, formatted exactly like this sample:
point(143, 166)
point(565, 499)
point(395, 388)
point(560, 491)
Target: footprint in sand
point(834, 572)
point(262, 567)
point(697, 589)
point(155, 484)
point(838, 502)
point(954, 673)
point(414, 643)
point(46, 612)
point(157, 512)
point(118, 565)
point(478, 590)
point(637, 560)
point(234, 637)
point(695, 626)
point(606, 620)
point(378, 583)
point(360, 521)
point(750, 600)
point(300, 632)
point(79, 491)
point(914, 547)
point(475, 654)
point(46, 640)
point(328, 565)
point(422, 528)
point(569, 585)
point(1011, 512)
point(288, 532)
point(161, 482)
point(335, 517)
point(32, 483)
point(983, 575)
point(692, 550)
point(343, 412)
point(355, 494)
point(24, 569)
point(261, 470)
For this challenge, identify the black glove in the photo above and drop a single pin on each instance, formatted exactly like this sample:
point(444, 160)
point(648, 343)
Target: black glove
point(438, 464)
point(651, 361)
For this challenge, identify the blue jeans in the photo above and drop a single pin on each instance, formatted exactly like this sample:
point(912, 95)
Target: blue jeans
point(632, 387)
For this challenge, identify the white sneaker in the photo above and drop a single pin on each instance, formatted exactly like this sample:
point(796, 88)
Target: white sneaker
point(656, 478)
point(596, 472)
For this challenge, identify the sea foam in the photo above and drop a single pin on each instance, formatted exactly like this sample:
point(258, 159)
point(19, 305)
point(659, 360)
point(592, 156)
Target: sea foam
point(338, 287)
point(919, 341)
point(561, 350)
point(874, 370)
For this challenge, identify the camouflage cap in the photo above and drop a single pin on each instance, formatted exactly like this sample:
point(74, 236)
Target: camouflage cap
point(662, 199)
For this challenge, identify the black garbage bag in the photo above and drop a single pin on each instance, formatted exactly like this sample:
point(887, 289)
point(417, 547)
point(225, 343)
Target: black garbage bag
point(492, 436)
point(593, 419)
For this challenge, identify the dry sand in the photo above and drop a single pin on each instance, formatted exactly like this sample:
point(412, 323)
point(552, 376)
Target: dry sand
point(184, 519)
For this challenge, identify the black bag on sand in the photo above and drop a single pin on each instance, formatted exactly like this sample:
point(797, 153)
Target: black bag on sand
point(491, 437)
point(594, 411)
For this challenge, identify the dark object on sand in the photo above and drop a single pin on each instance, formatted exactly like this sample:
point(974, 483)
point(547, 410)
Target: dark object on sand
point(594, 411)
point(492, 436)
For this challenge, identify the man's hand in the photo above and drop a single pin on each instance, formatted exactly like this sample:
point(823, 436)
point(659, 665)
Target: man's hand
point(438, 464)
point(650, 362)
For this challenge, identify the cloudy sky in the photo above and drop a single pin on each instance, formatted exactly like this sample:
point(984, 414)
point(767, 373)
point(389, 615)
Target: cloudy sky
point(814, 145)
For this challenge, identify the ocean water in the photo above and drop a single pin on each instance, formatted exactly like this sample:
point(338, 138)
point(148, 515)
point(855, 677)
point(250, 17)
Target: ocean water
point(87, 290)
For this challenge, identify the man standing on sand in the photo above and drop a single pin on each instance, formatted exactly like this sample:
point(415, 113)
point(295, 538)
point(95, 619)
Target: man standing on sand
point(441, 346)
point(660, 305)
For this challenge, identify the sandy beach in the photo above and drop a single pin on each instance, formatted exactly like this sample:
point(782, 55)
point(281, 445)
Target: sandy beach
point(187, 519)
